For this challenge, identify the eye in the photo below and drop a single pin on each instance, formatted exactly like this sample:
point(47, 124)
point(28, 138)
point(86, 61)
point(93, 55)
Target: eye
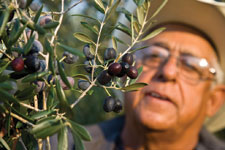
point(189, 64)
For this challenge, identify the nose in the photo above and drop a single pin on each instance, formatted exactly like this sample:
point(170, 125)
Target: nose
point(167, 71)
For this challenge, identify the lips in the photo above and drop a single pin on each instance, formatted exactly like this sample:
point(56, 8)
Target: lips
point(157, 95)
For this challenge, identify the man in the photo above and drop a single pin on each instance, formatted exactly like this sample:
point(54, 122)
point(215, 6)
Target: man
point(182, 66)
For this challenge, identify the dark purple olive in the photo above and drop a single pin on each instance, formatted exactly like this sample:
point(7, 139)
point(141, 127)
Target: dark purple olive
point(42, 66)
point(118, 106)
point(125, 67)
point(109, 104)
point(70, 58)
point(17, 64)
point(128, 58)
point(36, 47)
point(132, 72)
point(45, 20)
point(87, 52)
point(87, 66)
point(114, 69)
point(104, 77)
point(110, 53)
point(32, 63)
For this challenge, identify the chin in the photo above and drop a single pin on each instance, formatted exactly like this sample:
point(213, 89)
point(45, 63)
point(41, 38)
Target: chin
point(155, 120)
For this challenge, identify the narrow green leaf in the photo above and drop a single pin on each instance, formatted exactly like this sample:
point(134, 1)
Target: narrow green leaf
point(132, 27)
point(26, 93)
point(159, 9)
point(133, 87)
point(4, 143)
point(140, 2)
point(85, 16)
point(48, 47)
point(100, 4)
point(41, 114)
point(96, 28)
point(113, 9)
point(35, 76)
point(121, 41)
point(6, 85)
point(77, 141)
point(4, 67)
point(63, 75)
point(153, 33)
point(82, 37)
point(5, 20)
point(71, 50)
point(63, 139)
point(39, 29)
point(139, 48)
point(17, 35)
point(15, 29)
point(51, 64)
point(47, 128)
point(38, 14)
point(51, 25)
point(140, 15)
point(89, 27)
point(5, 97)
point(81, 131)
point(124, 28)
point(29, 44)
point(60, 93)
point(111, 2)
point(81, 76)
point(51, 97)
point(114, 43)
point(136, 27)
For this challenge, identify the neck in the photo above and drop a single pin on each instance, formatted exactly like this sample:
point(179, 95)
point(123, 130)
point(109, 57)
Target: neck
point(137, 137)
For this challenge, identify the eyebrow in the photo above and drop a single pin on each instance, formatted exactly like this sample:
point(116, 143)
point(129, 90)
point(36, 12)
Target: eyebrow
point(167, 47)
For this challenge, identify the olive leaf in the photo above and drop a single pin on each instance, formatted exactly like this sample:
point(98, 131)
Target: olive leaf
point(140, 15)
point(4, 143)
point(100, 4)
point(89, 27)
point(35, 76)
point(71, 50)
point(82, 37)
point(85, 16)
point(159, 9)
point(63, 139)
point(63, 75)
point(51, 25)
point(153, 34)
point(114, 43)
point(38, 14)
point(133, 87)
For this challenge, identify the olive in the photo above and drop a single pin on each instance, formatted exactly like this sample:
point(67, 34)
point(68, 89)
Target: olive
point(114, 69)
point(132, 72)
point(17, 64)
point(109, 104)
point(128, 58)
point(125, 67)
point(87, 66)
point(118, 106)
point(45, 20)
point(104, 77)
point(87, 53)
point(70, 58)
point(110, 53)
point(36, 47)
point(32, 63)
point(83, 84)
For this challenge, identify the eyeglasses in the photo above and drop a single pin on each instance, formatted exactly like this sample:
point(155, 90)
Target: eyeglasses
point(190, 68)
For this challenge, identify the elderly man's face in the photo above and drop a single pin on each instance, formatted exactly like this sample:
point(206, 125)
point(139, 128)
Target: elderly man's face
point(172, 100)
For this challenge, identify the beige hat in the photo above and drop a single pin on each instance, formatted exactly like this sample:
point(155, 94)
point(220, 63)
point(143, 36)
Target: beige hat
point(209, 17)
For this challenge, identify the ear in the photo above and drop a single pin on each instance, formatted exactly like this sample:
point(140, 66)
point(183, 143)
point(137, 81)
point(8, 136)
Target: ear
point(216, 99)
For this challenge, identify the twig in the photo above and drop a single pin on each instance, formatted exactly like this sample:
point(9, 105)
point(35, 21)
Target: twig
point(68, 9)
point(21, 119)
point(1, 51)
point(30, 107)
point(84, 93)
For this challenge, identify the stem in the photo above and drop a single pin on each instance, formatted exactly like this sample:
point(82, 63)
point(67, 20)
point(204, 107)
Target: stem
point(1, 51)
point(21, 119)
point(107, 91)
point(97, 43)
point(83, 94)
point(68, 9)
point(138, 36)
point(30, 107)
